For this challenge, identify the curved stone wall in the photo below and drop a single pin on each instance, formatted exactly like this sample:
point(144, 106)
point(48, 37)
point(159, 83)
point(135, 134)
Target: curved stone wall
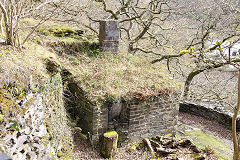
point(218, 114)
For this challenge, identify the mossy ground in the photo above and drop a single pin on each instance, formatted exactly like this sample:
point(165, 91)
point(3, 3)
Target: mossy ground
point(209, 142)
point(222, 150)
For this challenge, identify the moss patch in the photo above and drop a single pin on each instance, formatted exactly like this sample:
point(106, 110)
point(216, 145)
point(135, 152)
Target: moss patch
point(69, 41)
point(201, 139)
point(109, 144)
point(1, 118)
point(61, 32)
point(110, 134)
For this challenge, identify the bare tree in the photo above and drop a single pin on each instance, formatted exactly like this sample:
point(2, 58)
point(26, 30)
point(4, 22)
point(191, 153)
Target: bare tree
point(202, 52)
point(1, 23)
point(141, 22)
point(14, 11)
point(236, 140)
point(216, 33)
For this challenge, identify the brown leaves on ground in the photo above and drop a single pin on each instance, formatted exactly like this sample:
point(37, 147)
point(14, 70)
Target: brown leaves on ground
point(161, 148)
point(83, 151)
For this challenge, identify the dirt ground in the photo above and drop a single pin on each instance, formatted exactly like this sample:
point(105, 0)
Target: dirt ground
point(211, 127)
point(83, 151)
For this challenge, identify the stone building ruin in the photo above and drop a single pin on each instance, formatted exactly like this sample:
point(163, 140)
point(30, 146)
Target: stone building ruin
point(132, 119)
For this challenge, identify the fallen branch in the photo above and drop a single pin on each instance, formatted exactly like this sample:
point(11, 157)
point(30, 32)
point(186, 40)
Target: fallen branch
point(165, 151)
point(149, 146)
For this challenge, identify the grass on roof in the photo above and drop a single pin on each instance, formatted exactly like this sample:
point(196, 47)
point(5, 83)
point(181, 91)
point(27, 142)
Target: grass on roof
point(117, 76)
point(100, 75)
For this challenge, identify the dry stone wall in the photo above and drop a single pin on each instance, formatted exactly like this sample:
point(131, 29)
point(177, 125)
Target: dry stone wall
point(36, 126)
point(210, 112)
point(151, 118)
point(100, 121)
point(80, 108)
point(90, 117)
point(146, 118)
point(27, 141)
point(132, 119)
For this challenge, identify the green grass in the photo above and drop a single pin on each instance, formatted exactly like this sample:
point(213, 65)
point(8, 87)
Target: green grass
point(100, 75)
point(118, 76)
point(103, 76)
point(202, 140)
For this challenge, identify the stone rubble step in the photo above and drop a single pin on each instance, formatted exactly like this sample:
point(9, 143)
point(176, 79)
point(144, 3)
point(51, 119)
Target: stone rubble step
point(4, 156)
point(2, 41)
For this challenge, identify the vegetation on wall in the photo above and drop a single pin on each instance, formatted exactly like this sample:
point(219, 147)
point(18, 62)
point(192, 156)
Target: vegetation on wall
point(146, 31)
point(26, 86)
point(103, 75)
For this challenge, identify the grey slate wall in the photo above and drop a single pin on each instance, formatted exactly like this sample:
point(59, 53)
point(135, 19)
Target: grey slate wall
point(153, 117)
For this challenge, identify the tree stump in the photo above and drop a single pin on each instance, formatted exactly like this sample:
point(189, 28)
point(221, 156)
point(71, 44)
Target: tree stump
point(109, 144)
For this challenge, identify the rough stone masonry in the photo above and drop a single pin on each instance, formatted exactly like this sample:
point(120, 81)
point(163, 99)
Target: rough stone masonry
point(109, 35)
point(132, 119)
point(154, 116)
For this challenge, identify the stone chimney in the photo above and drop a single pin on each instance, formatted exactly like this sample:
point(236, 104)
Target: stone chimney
point(109, 35)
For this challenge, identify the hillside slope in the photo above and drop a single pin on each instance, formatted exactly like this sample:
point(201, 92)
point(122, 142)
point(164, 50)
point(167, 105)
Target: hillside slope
point(33, 116)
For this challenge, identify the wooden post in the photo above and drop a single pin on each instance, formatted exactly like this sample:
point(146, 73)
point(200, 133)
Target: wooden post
point(109, 144)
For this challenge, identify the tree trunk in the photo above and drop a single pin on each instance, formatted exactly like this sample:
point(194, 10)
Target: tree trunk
point(109, 144)
point(1, 24)
point(198, 71)
point(189, 80)
point(8, 20)
point(236, 141)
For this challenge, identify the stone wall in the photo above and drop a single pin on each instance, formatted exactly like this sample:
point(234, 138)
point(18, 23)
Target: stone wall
point(79, 107)
point(36, 126)
point(155, 116)
point(131, 119)
point(100, 120)
point(211, 113)
point(90, 117)
point(27, 139)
